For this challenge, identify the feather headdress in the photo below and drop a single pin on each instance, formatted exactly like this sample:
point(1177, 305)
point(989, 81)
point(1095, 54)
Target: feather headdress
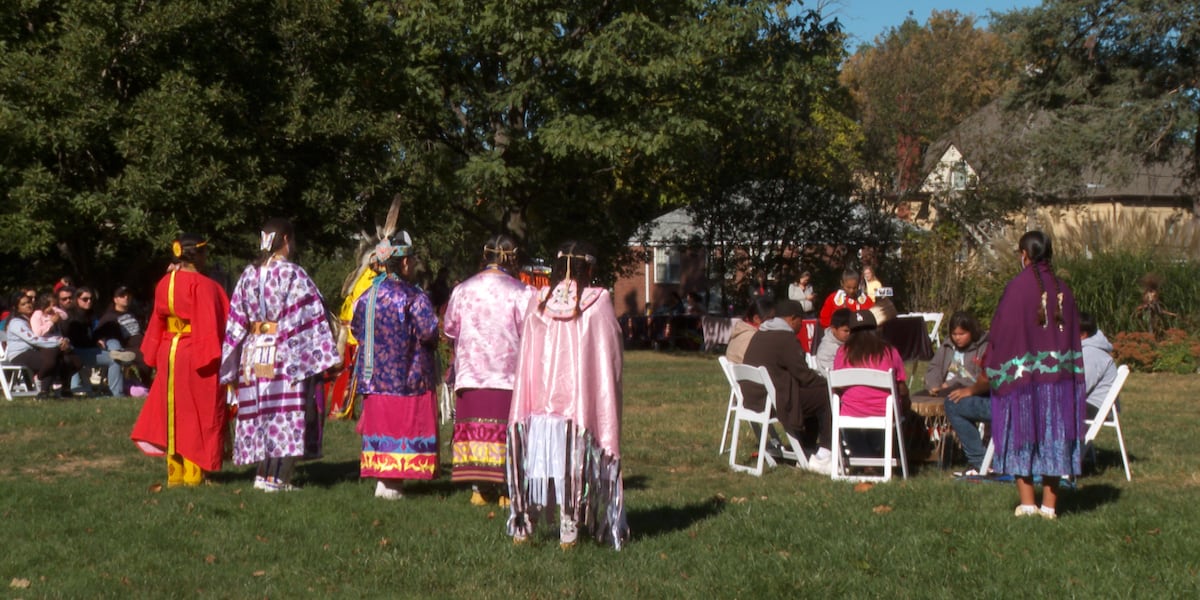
point(368, 242)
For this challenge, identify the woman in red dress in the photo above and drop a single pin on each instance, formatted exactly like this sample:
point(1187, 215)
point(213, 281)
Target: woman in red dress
point(183, 418)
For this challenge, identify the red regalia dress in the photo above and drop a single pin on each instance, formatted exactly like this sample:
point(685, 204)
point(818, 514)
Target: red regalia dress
point(184, 413)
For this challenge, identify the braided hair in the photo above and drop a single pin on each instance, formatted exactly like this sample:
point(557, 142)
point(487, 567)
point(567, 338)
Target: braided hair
point(574, 262)
point(1037, 248)
point(501, 250)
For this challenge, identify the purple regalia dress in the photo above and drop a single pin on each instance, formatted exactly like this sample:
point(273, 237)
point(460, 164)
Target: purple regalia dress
point(277, 340)
point(1036, 376)
point(396, 328)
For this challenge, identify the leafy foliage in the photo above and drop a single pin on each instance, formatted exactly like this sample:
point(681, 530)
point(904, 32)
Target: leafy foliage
point(1115, 76)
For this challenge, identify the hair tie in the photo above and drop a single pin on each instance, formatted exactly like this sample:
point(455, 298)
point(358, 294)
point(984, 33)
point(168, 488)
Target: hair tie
point(268, 240)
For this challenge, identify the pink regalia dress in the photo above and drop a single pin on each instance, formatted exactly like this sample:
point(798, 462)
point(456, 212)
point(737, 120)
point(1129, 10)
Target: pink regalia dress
point(565, 422)
point(484, 318)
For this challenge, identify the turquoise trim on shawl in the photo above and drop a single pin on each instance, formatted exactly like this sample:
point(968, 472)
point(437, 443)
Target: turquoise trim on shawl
point(367, 353)
point(1069, 361)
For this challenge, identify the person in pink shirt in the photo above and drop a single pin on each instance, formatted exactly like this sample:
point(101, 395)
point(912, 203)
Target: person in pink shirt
point(47, 316)
point(866, 349)
point(483, 320)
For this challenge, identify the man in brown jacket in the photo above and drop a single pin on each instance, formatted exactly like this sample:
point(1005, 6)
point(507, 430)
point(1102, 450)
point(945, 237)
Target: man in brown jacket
point(800, 393)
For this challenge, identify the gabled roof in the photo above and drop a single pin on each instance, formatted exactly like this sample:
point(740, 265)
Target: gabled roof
point(995, 142)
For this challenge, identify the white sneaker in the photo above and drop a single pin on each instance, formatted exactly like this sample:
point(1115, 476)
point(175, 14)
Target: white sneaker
point(271, 487)
point(387, 492)
point(822, 466)
point(260, 482)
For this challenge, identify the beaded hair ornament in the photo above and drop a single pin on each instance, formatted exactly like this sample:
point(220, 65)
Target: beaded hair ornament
point(177, 248)
point(588, 258)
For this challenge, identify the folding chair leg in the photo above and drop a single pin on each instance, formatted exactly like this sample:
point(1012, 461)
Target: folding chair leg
point(725, 431)
point(1121, 441)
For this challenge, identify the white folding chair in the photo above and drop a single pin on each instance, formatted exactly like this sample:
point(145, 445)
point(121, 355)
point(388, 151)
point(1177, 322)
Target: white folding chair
point(10, 376)
point(731, 408)
point(1109, 416)
point(445, 402)
point(889, 423)
point(789, 447)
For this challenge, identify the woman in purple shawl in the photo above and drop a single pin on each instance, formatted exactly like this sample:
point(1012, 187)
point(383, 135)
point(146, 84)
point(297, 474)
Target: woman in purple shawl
point(1035, 369)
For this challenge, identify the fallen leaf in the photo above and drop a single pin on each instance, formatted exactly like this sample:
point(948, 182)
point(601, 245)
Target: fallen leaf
point(1155, 531)
point(324, 546)
point(259, 573)
point(210, 559)
point(237, 491)
point(156, 488)
point(738, 500)
point(126, 581)
point(662, 555)
point(383, 542)
point(260, 538)
point(19, 583)
point(863, 486)
point(692, 534)
point(684, 575)
point(882, 509)
point(1128, 540)
point(785, 553)
point(762, 497)
point(491, 515)
point(97, 410)
point(376, 523)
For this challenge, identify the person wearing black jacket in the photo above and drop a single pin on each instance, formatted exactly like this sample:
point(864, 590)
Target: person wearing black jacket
point(91, 352)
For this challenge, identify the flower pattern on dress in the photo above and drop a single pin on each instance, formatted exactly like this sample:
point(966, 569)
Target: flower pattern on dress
point(484, 319)
point(405, 333)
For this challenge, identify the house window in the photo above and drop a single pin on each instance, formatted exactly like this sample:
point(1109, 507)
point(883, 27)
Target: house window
point(958, 176)
point(668, 268)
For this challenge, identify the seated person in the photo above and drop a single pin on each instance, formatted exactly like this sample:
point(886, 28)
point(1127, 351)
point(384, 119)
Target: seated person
point(121, 332)
point(90, 351)
point(835, 336)
point(801, 394)
point(744, 328)
point(957, 365)
point(47, 316)
point(851, 296)
point(46, 356)
point(871, 283)
point(1099, 370)
point(693, 305)
point(866, 349)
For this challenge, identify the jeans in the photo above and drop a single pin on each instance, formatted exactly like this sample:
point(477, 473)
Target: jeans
point(95, 357)
point(964, 416)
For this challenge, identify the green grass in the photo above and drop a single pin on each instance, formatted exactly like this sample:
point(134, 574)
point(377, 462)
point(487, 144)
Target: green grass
point(78, 518)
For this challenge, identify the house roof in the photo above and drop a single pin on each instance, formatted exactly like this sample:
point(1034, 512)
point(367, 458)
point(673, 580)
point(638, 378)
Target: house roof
point(994, 142)
point(669, 228)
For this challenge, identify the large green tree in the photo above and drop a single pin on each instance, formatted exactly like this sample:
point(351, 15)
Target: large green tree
point(1111, 80)
point(123, 122)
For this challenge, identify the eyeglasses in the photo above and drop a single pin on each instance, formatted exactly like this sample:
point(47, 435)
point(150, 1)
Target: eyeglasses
point(64, 298)
point(85, 298)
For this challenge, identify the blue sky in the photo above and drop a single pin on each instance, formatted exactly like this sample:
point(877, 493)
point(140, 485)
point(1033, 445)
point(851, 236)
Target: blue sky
point(865, 19)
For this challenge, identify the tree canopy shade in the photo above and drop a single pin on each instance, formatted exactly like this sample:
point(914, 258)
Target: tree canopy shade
point(124, 122)
point(1114, 77)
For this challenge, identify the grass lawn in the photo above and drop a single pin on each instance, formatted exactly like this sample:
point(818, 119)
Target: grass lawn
point(79, 517)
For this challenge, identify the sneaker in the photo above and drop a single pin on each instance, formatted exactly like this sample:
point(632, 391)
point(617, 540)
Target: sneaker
point(260, 483)
point(387, 492)
point(1025, 511)
point(271, 487)
point(477, 499)
point(1049, 516)
point(817, 465)
point(122, 356)
point(504, 502)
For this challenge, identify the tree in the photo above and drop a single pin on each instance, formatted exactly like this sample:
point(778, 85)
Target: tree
point(125, 122)
point(1116, 78)
point(914, 83)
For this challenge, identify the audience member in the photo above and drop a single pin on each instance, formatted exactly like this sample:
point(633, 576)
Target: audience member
point(65, 295)
point(47, 318)
point(1099, 370)
point(835, 336)
point(850, 296)
point(871, 283)
point(801, 291)
point(801, 395)
point(119, 329)
point(46, 356)
point(91, 352)
point(956, 366)
point(865, 349)
point(743, 329)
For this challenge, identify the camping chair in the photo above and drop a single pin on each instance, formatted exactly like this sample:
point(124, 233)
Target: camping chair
point(788, 446)
point(12, 377)
point(889, 423)
point(1109, 416)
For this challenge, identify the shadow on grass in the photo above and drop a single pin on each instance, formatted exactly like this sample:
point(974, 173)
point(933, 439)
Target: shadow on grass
point(661, 520)
point(1087, 498)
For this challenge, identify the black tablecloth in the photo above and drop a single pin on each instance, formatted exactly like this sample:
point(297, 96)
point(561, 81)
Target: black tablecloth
point(909, 336)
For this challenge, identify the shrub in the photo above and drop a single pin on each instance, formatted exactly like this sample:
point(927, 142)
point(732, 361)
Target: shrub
point(1176, 352)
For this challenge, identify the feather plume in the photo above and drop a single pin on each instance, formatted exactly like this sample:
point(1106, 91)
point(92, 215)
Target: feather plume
point(367, 242)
